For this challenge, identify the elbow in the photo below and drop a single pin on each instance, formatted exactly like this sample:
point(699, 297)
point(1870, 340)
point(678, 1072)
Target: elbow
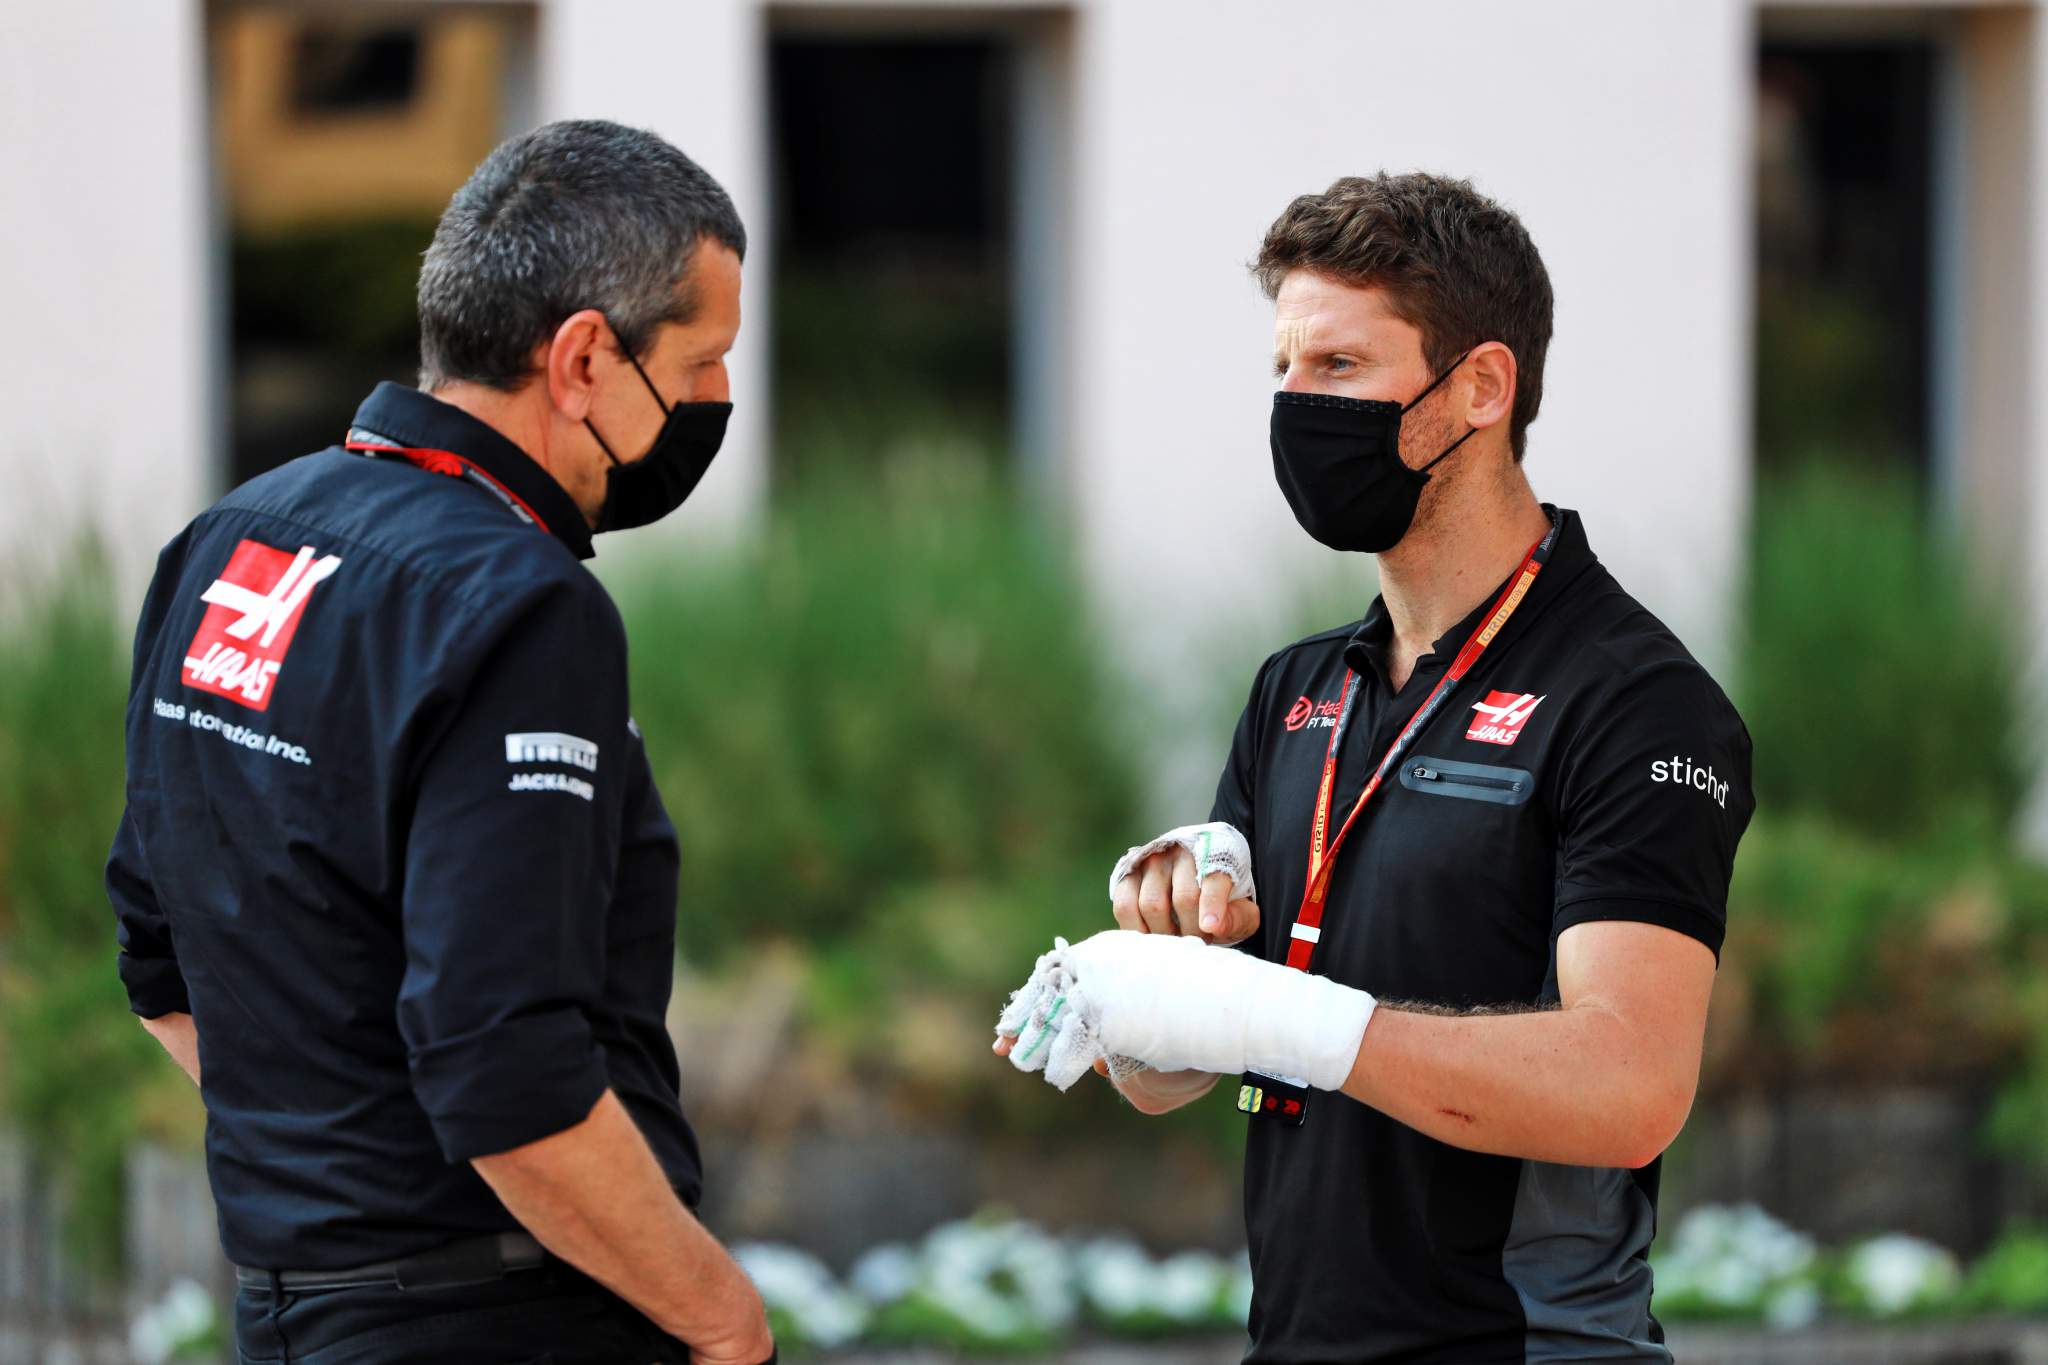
point(1635, 1158)
point(1655, 1127)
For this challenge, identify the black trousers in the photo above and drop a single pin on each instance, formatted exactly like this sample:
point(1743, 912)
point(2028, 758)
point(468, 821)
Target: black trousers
point(550, 1315)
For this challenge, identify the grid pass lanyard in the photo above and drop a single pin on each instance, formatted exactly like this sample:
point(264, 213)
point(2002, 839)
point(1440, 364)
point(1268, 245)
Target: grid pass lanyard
point(1308, 922)
point(366, 442)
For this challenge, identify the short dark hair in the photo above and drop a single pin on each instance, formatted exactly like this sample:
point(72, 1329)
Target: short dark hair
point(577, 214)
point(1455, 265)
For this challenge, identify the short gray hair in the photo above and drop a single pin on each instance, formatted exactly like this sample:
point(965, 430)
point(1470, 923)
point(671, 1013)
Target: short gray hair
point(577, 214)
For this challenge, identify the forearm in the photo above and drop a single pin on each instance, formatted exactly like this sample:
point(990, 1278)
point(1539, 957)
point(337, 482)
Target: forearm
point(180, 1038)
point(1576, 1086)
point(1162, 1092)
point(594, 1195)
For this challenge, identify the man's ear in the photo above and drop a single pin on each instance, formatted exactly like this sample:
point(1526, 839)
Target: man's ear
point(1492, 371)
point(572, 359)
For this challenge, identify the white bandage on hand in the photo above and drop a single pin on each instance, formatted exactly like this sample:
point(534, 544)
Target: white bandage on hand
point(1217, 847)
point(1178, 1004)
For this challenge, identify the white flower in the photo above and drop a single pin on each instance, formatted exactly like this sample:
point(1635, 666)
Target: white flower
point(1735, 1257)
point(1115, 1275)
point(1895, 1272)
point(1239, 1298)
point(884, 1274)
point(1186, 1286)
point(182, 1318)
point(800, 1285)
point(188, 1311)
point(1793, 1306)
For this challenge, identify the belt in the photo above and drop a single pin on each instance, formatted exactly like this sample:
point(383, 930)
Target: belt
point(474, 1260)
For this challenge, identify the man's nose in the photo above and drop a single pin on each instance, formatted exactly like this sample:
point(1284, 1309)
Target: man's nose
point(1294, 381)
point(714, 385)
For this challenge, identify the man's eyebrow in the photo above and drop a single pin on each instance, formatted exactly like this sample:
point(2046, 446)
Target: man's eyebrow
point(1322, 351)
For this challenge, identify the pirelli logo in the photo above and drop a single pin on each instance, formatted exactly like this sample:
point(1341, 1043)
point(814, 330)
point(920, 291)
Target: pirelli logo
point(551, 746)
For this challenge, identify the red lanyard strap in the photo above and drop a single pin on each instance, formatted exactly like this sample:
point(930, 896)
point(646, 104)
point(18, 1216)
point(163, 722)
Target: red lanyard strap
point(1308, 922)
point(366, 442)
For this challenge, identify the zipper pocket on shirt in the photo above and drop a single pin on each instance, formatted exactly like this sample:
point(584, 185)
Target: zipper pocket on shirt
point(1472, 781)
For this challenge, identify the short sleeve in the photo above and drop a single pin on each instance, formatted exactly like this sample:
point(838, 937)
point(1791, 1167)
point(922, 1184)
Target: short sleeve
point(509, 866)
point(1654, 795)
point(148, 961)
point(1235, 799)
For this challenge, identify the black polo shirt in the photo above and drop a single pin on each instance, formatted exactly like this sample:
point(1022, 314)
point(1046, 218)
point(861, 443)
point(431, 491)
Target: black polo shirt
point(1587, 768)
point(392, 839)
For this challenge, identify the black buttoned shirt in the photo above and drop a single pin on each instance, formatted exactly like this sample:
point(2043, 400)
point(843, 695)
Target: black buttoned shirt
point(1587, 768)
point(393, 841)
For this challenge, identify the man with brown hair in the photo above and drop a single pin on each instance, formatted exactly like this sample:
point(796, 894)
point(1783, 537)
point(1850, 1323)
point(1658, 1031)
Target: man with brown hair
point(1507, 794)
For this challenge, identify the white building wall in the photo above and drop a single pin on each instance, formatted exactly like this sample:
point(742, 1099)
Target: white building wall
point(1617, 130)
point(2032, 489)
point(1193, 126)
point(107, 347)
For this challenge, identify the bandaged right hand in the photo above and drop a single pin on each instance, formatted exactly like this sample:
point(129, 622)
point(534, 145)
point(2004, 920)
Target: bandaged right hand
point(1178, 1004)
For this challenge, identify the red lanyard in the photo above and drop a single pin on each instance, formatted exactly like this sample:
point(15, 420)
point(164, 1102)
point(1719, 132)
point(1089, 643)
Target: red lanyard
point(1308, 923)
point(447, 462)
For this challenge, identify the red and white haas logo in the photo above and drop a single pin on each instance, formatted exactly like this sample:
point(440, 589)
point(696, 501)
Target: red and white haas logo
point(1501, 716)
point(254, 611)
point(1320, 715)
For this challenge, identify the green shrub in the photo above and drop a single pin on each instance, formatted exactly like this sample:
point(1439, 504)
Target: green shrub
point(1882, 686)
point(885, 700)
point(872, 359)
point(1812, 911)
point(2012, 1277)
point(82, 1080)
point(888, 734)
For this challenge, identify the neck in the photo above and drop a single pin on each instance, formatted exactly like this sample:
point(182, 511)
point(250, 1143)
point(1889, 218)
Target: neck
point(1442, 571)
point(523, 422)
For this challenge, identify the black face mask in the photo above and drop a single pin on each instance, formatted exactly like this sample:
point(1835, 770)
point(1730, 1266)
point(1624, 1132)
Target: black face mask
point(1338, 460)
point(655, 484)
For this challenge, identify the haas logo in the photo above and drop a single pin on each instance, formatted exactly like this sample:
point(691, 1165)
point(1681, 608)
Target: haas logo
point(253, 610)
point(1501, 716)
point(1316, 715)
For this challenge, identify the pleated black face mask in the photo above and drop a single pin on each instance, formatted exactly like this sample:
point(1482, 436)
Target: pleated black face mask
point(657, 483)
point(1338, 460)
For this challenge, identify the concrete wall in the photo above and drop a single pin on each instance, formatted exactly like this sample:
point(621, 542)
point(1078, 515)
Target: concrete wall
point(1618, 129)
point(1626, 157)
point(1192, 127)
point(287, 167)
point(106, 353)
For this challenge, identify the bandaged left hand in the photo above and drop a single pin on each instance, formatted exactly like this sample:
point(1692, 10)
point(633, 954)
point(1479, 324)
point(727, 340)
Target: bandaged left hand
point(1178, 1004)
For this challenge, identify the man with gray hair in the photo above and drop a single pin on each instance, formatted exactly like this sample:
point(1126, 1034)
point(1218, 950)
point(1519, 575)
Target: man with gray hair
point(404, 909)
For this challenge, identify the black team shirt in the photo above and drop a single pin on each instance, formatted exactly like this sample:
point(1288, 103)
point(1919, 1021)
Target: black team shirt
point(1587, 768)
point(392, 840)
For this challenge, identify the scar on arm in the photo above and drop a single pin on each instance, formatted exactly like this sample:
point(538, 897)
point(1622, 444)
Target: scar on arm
point(1458, 1114)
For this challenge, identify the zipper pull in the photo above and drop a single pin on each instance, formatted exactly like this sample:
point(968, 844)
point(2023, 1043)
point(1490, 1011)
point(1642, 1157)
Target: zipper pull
point(1426, 774)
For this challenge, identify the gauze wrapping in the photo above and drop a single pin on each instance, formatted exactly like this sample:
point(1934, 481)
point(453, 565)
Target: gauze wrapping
point(1178, 1004)
point(1217, 847)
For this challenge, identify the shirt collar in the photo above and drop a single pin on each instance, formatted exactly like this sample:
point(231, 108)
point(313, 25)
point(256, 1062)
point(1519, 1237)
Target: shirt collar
point(414, 421)
point(1371, 646)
